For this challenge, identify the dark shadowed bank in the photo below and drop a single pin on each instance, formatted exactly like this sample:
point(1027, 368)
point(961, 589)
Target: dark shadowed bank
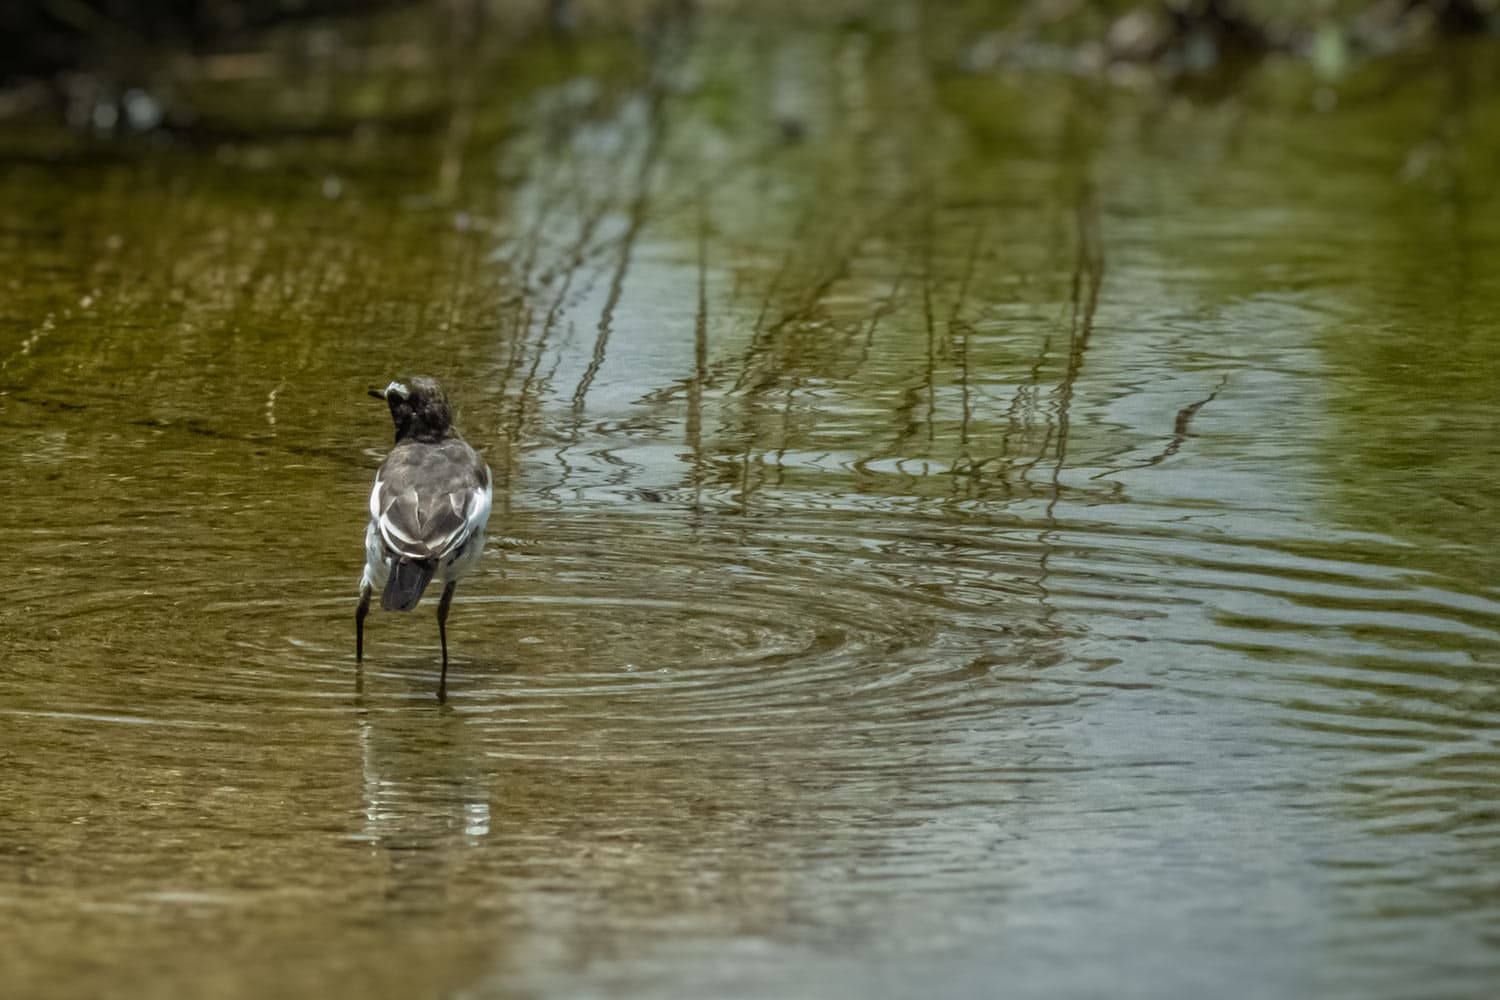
point(132, 64)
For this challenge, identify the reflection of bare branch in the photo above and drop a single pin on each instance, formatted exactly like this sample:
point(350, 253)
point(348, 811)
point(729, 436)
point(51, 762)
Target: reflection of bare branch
point(906, 412)
point(828, 268)
point(529, 396)
point(1016, 414)
point(1088, 275)
point(786, 430)
point(759, 334)
point(766, 330)
point(883, 308)
point(929, 375)
point(1181, 431)
point(694, 428)
point(570, 270)
point(617, 281)
point(959, 330)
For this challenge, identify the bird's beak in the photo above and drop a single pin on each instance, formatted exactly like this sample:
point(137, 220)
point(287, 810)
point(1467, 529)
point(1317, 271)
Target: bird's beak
point(398, 388)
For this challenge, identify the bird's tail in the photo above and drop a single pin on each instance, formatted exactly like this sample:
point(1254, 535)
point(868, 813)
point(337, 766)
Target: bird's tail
point(407, 581)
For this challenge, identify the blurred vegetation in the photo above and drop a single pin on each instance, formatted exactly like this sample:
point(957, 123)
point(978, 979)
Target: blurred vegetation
point(135, 65)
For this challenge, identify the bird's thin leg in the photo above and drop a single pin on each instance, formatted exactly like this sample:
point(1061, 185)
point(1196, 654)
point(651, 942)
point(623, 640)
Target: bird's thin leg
point(443, 636)
point(359, 623)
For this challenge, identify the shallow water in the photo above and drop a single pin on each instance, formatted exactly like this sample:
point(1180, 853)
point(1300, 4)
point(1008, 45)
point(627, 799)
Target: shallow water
point(996, 531)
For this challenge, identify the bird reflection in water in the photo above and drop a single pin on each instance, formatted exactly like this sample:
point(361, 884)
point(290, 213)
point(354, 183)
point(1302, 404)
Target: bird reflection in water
point(426, 797)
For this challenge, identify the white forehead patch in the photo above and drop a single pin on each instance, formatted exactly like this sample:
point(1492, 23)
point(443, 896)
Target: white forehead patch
point(399, 388)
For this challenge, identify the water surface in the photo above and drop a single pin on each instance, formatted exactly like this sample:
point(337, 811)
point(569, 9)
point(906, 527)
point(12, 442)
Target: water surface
point(991, 530)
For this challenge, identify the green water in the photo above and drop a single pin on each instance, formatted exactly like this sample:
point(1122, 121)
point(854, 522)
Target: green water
point(992, 533)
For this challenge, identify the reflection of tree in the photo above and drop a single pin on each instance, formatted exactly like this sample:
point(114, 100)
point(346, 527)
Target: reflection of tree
point(868, 322)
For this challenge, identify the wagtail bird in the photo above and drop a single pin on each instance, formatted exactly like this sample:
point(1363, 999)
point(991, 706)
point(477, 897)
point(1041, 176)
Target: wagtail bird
point(428, 510)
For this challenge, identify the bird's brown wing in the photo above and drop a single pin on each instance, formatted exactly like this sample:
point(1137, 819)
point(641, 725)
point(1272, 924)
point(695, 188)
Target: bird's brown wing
point(427, 499)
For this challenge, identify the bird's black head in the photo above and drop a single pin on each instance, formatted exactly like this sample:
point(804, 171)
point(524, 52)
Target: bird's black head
point(419, 409)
